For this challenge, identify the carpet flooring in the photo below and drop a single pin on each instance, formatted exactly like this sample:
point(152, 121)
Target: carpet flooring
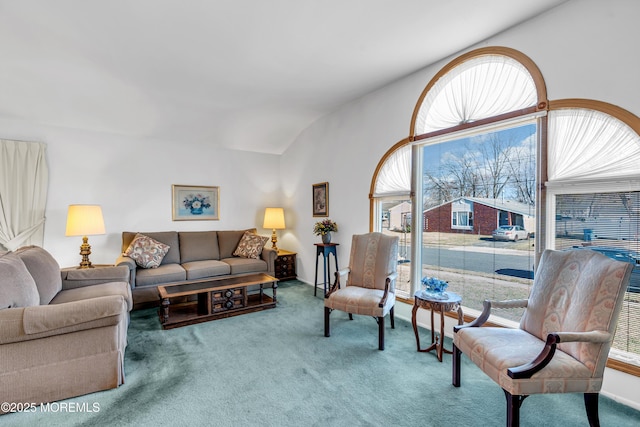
point(276, 368)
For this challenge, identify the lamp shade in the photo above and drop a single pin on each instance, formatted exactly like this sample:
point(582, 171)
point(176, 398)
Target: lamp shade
point(274, 218)
point(84, 220)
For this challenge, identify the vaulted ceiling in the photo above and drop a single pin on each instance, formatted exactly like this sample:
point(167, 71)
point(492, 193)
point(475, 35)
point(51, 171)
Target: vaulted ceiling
point(241, 74)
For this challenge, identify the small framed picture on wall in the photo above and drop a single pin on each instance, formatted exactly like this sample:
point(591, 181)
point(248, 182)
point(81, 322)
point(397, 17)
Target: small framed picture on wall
point(193, 203)
point(320, 199)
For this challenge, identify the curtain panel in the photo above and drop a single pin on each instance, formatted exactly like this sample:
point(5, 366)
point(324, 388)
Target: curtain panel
point(589, 145)
point(394, 177)
point(482, 87)
point(24, 177)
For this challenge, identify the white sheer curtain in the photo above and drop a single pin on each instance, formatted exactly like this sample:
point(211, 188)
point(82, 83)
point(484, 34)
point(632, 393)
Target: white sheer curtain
point(590, 145)
point(23, 193)
point(394, 177)
point(479, 88)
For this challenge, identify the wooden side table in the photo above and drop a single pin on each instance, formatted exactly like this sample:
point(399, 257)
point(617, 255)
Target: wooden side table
point(448, 302)
point(285, 265)
point(325, 249)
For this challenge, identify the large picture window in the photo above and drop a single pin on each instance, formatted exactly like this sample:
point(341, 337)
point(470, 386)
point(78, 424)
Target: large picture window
point(471, 188)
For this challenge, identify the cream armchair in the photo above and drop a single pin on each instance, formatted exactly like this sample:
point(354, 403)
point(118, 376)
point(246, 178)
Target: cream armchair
point(564, 337)
point(62, 333)
point(369, 282)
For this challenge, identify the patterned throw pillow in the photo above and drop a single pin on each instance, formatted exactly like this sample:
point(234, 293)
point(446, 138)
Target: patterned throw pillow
point(250, 245)
point(146, 252)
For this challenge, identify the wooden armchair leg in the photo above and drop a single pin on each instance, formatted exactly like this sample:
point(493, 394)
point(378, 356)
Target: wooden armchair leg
point(513, 408)
point(327, 328)
point(455, 364)
point(350, 316)
point(393, 323)
point(591, 405)
point(380, 333)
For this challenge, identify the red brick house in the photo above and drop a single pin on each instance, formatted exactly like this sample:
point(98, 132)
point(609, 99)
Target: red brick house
point(478, 216)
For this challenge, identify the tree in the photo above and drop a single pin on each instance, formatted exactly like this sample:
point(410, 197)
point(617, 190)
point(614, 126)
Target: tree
point(493, 165)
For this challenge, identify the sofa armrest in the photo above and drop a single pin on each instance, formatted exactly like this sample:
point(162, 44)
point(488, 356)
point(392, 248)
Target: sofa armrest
point(269, 255)
point(131, 265)
point(77, 278)
point(29, 323)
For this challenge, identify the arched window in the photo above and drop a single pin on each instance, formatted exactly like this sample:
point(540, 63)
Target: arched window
point(390, 198)
point(490, 156)
point(486, 85)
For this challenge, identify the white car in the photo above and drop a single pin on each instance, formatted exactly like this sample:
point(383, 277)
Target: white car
point(510, 232)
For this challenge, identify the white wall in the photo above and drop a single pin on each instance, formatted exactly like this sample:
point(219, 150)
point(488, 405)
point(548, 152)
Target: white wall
point(132, 178)
point(584, 49)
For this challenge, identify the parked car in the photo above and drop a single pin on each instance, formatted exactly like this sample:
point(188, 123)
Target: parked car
point(510, 232)
point(621, 255)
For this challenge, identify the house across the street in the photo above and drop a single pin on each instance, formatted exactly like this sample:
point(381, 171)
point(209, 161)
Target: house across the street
point(478, 215)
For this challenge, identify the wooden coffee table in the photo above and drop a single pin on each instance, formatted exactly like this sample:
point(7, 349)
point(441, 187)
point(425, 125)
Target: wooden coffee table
point(215, 299)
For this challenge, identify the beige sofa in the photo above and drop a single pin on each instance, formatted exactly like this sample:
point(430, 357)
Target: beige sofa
point(63, 333)
point(192, 255)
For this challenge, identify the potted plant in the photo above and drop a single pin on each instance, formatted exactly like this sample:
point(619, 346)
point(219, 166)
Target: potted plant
point(324, 229)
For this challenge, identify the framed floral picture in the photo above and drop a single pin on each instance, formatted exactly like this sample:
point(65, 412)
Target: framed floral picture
point(195, 203)
point(321, 199)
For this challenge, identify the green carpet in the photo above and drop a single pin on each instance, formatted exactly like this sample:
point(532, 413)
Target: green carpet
point(275, 368)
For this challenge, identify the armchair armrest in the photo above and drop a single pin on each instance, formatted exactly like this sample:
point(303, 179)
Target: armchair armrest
point(29, 323)
point(389, 285)
point(545, 356)
point(591, 336)
point(77, 278)
point(486, 311)
point(392, 278)
point(340, 276)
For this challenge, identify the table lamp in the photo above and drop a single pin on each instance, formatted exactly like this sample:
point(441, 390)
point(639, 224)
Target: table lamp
point(274, 219)
point(85, 220)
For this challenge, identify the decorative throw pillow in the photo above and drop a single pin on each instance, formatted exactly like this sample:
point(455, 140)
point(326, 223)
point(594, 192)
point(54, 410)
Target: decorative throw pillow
point(146, 252)
point(250, 245)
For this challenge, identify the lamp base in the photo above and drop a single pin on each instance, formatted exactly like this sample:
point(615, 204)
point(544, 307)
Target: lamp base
point(85, 251)
point(274, 240)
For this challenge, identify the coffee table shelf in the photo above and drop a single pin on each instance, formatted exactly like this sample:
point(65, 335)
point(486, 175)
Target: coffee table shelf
point(215, 299)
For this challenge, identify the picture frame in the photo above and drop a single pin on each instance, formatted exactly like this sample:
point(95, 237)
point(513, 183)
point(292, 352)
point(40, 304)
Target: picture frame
point(320, 197)
point(195, 203)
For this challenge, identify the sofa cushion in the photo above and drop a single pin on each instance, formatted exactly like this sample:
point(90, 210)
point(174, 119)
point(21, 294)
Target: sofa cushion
point(157, 276)
point(210, 268)
point(44, 269)
point(198, 246)
point(167, 237)
point(17, 287)
point(228, 241)
point(95, 291)
point(246, 265)
point(147, 252)
point(250, 245)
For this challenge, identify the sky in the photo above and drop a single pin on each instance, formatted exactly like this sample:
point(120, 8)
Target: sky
point(433, 154)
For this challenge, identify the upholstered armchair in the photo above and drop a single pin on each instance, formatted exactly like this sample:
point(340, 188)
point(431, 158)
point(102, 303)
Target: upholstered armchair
point(564, 336)
point(63, 333)
point(369, 282)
